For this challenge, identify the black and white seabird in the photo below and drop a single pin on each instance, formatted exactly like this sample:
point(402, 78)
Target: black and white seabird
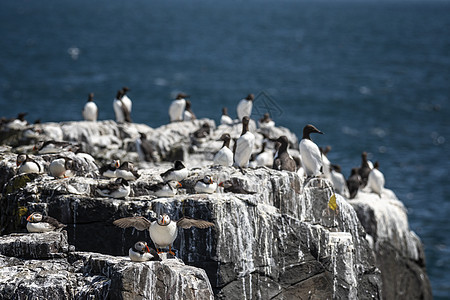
point(51, 147)
point(145, 148)
point(90, 110)
point(262, 158)
point(119, 189)
point(310, 153)
point(284, 160)
point(27, 165)
point(202, 132)
point(266, 121)
point(109, 170)
point(38, 223)
point(205, 185)
point(177, 107)
point(127, 171)
point(126, 100)
point(244, 145)
point(338, 180)
point(354, 182)
point(365, 168)
point(178, 173)
point(163, 231)
point(61, 167)
point(120, 109)
point(141, 252)
point(164, 189)
point(375, 181)
point(244, 107)
point(224, 157)
point(188, 114)
point(225, 118)
point(230, 186)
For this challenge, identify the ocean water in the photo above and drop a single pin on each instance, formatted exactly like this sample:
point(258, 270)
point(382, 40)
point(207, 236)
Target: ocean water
point(373, 75)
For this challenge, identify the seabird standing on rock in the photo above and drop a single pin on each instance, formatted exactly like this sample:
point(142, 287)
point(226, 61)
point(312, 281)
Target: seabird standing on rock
point(203, 131)
point(224, 157)
point(127, 171)
point(188, 114)
point(266, 121)
point(230, 187)
point(284, 161)
point(225, 118)
point(61, 167)
point(27, 165)
point(263, 158)
point(244, 145)
point(375, 181)
point(205, 185)
point(120, 109)
point(90, 110)
point(245, 106)
point(353, 182)
point(119, 189)
point(164, 189)
point(310, 153)
point(141, 252)
point(178, 173)
point(50, 147)
point(163, 231)
point(144, 148)
point(109, 170)
point(38, 223)
point(177, 107)
point(338, 180)
point(364, 170)
point(126, 100)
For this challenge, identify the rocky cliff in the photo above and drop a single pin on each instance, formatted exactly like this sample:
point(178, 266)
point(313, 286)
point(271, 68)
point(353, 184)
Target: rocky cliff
point(284, 241)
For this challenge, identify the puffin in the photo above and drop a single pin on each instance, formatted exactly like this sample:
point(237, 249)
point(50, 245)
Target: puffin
point(177, 107)
point(163, 231)
point(61, 167)
point(338, 180)
point(224, 157)
point(38, 223)
point(375, 180)
point(126, 100)
point(165, 189)
point(141, 252)
point(225, 119)
point(127, 171)
point(310, 153)
point(51, 147)
point(205, 185)
point(188, 114)
point(119, 189)
point(284, 160)
point(120, 109)
point(365, 168)
point(145, 148)
point(244, 145)
point(90, 110)
point(244, 107)
point(353, 183)
point(266, 121)
point(178, 173)
point(27, 165)
point(109, 170)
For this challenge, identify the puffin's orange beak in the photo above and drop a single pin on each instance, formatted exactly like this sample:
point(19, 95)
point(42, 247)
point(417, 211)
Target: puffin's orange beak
point(148, 250)
point(221, 184)
point(210, 181)
point(34, 148)
point(179, 184)
point(29, 218)
point(117, 164)
point(17, 163)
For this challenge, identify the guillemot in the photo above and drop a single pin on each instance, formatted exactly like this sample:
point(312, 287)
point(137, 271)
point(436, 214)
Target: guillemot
point(177, 107)
point(310, 153)
point(244, 107)
point(224, 157)
point(244, 145)
point(90, 110)
point(284, 160)
point(178, 173)
point(375, 180)
point(225, 118)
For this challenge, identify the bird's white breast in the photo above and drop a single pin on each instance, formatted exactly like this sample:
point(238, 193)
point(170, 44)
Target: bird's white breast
point(244, 147)
point(163, 236)
point(90, 111)
point(28, 167)
point(311, 157)
point(176, 110)
point(244, 108)
point(117, 105)
point(137, 256)
point(224, 157)
point(177, 175)
point(39, 227)
point(226, 120)
point(57, 168)
point(201, 187)
point(264, 159)
point(375, 181)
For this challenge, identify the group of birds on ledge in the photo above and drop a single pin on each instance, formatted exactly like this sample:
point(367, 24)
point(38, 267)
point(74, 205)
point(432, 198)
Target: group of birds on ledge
point(312, 163)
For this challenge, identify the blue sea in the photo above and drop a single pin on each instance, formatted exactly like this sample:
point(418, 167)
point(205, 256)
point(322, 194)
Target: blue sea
point(373, 75)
